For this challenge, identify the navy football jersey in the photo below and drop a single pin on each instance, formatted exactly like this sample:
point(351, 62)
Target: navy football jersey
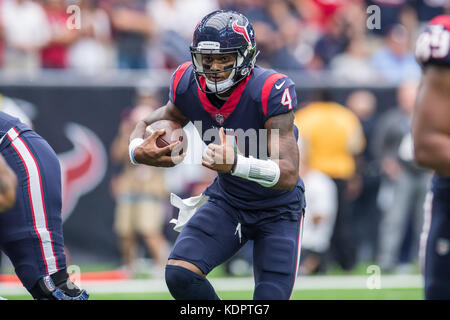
point(263, 94)
point(433, 48)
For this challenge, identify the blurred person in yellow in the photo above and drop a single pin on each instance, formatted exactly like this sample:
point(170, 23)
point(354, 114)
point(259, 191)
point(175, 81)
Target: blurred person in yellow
point(140, 194)
point(332, 136)
point(320, 216)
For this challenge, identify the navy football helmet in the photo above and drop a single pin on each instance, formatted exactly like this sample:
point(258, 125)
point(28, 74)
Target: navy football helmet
point(223, 32)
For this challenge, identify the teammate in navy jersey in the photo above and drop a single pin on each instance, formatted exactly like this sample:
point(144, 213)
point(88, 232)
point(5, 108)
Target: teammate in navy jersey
point(257, 194)
point(31, 229)
point(8, 184)
point(431, 131)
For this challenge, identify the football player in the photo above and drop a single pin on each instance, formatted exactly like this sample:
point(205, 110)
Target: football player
point(431, 132)
point(254, 197)
point(31, 230)
point(8, 183)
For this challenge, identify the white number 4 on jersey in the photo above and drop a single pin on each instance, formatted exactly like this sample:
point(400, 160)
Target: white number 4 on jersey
point(286, 99)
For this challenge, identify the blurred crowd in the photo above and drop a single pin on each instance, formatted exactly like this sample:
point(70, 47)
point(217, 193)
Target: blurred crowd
point(309, 35)
point(364, 192)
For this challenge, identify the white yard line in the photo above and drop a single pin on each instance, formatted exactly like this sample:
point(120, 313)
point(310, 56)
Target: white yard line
point(230, 284)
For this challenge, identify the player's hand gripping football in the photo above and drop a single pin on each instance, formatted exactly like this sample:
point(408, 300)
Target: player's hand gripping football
point(219, 157)
point(150, 154)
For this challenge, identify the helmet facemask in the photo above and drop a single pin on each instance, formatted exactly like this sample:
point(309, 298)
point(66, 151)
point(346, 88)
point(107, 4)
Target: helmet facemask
point(243, 64)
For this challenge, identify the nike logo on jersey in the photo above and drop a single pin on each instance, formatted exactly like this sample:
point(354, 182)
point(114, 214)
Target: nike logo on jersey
point(280, 85)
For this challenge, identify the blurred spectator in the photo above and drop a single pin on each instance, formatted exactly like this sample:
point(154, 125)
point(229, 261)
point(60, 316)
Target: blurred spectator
point(54, 54)
point(317, 12)
point(140, 195)
point(91, 52)
point(394, 61)
point(271, 21)
point(355, 57)
point(365, 184)
point(428, 9)
point(334, 40)
point(332, 135)
point(25, 31)
point(289, 29)
point(174, 23)
point(390, 12)
point(132, 27)
point(403, 184)
point(320, 216)
point(292, 34)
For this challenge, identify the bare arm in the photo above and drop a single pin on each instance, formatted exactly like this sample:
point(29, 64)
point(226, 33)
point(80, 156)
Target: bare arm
point(288, 154)
point(147, 152)
point(130, 20)
point(167, 112)
point(8, 184)
point(431, 123)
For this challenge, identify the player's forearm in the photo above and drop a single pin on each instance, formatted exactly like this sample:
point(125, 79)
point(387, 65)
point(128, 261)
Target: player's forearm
point(8, 184)
point(288, 162)
point(139, 130)
point(288, 175)
point(283, 149)
point(167, 112)
point(433, 151)
point(431, 121)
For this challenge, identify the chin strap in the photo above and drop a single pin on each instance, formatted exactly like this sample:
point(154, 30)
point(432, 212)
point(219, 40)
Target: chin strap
point(221, 86)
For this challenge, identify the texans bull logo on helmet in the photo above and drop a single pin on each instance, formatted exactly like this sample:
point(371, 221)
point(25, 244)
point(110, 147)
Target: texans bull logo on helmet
point(242, 30)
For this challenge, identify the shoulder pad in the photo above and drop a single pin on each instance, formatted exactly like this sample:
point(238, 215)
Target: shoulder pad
point(179, 82)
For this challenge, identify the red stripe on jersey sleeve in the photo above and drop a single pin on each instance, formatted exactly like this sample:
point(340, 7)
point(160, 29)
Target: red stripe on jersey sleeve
point(177, 77)
point(267, 87)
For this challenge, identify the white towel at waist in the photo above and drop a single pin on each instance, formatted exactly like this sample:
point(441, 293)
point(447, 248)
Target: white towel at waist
point(187, 208)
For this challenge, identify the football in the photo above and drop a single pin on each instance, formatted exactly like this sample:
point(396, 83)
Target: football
point(174, 132)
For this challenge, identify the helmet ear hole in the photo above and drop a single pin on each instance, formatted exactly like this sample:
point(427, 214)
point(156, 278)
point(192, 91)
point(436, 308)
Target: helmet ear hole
point(197, 59)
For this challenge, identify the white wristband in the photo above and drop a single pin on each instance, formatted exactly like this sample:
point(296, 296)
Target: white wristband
point(136, 142)
point(264, 172)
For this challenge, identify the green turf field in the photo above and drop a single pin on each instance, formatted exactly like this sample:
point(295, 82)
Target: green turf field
point(340, 294)
point(315, 290)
